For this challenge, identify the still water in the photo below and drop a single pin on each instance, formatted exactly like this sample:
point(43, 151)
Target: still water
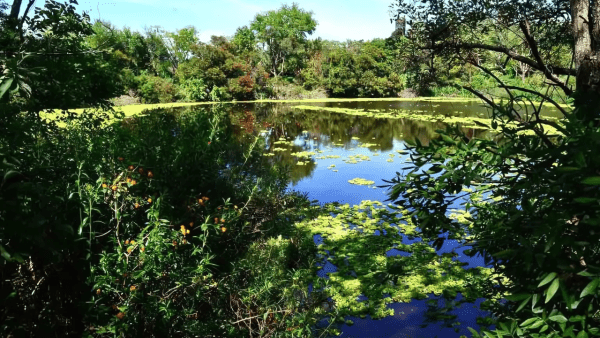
point(325, 148)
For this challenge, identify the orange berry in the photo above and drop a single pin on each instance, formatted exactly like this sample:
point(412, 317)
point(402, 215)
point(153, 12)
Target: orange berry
point(175, 243)
point(222, 220)
point(129, 250)
point(121, 159)
point(133, 182)
point(208, 142)
point(132, 288)
point(104, 185)
point(131, 167)
point(216, 220)
point(141, 170)
point(98, 292)
point(184, 241)
point(120, 315)
point(136, 205)
point(191, 224)
point(150, 200)
point(150, 174)
point(114, 188)
point(132, 242)
point(127, 242)
point(143, 249)
point(223, 229)
point(128, 179)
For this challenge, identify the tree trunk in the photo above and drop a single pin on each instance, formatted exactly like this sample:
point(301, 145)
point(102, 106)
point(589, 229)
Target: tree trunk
point(585, 52)
point(14, 10)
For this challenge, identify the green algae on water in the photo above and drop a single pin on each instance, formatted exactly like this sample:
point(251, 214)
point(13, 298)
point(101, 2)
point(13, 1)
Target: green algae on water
point(357, 239)
point(361, 181)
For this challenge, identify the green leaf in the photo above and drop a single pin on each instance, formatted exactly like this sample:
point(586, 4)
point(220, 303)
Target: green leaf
point(475, 333)
point(559, 319)
point(575, 319)
point(582, 334)
point(594, 180)
point(549, 278)
point(536, 324)
point(4, 253)
point(585, 273)
point(5, 85)
point(523, 303)
point(585, 200)
point(566, 169)
point(552, 290)
point(528, 321)
point(590, 288)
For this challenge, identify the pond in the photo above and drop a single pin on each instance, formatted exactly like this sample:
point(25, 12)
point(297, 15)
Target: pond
point(340, 152)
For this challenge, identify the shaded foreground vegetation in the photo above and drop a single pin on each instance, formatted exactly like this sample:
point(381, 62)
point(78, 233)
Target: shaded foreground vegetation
point(169, 225)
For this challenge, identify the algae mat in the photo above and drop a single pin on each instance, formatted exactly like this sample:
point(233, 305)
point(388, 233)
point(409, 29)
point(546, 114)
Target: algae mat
point(358, 239)
point(468, 122)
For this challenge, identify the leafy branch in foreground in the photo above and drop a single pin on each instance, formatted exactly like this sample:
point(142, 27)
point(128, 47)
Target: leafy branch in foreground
point(533, 212)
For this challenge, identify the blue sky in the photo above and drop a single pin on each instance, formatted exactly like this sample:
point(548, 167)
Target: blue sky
point(337, 19)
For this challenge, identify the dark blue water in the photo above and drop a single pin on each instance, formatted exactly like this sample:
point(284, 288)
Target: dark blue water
point(326, 180)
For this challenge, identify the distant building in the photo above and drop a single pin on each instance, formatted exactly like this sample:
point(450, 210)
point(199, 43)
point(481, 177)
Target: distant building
point(400, 27)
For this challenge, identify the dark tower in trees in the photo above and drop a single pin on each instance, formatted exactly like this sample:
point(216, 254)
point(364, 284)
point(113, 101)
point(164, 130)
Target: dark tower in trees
point(401, 26)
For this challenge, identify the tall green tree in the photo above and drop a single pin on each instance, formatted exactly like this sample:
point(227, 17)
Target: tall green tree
point(283, 35)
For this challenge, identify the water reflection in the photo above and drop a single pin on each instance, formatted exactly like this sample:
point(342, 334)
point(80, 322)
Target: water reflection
point(441, 320)
point(324, 150)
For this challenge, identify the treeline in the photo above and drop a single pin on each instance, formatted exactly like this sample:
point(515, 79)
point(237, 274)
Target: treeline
point(272, 58)
point(162, 66)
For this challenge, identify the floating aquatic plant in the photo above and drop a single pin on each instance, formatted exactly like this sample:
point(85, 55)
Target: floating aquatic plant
point(351, 243)
point(361, 181)
point(304, 154)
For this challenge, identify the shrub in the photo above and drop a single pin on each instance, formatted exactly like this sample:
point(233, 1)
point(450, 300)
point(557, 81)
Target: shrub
point(194, 90)
point(154, 89)
point(219, 94)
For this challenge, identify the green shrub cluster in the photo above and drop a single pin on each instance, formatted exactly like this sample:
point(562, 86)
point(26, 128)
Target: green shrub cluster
point(152, 226)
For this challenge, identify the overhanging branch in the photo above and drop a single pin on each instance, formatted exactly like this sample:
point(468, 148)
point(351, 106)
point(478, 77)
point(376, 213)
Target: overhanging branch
point(508, 52)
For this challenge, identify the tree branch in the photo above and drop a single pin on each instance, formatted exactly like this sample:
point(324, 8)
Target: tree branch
point(536, 54)
point(538, 94)
point(29, 4)
point(510, 53)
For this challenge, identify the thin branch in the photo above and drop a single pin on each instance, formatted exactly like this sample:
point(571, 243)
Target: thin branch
point(250, 318)
point(485, 70)
point(557, 70)
point(538, 94)
point(536, 54)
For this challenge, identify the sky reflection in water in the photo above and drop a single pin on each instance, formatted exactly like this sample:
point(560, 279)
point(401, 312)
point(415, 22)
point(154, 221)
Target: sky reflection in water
point(339, 135)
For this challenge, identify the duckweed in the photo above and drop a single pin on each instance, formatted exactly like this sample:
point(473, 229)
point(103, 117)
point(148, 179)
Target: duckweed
point(364, 269)
point(361, 181)
point(304, 154)
point(468, 122)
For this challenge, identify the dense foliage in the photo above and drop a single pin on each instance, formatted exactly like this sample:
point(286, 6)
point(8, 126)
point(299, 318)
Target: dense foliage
point(168, 225)
point(533, 213)
point(271, 57)
point(138, 227)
